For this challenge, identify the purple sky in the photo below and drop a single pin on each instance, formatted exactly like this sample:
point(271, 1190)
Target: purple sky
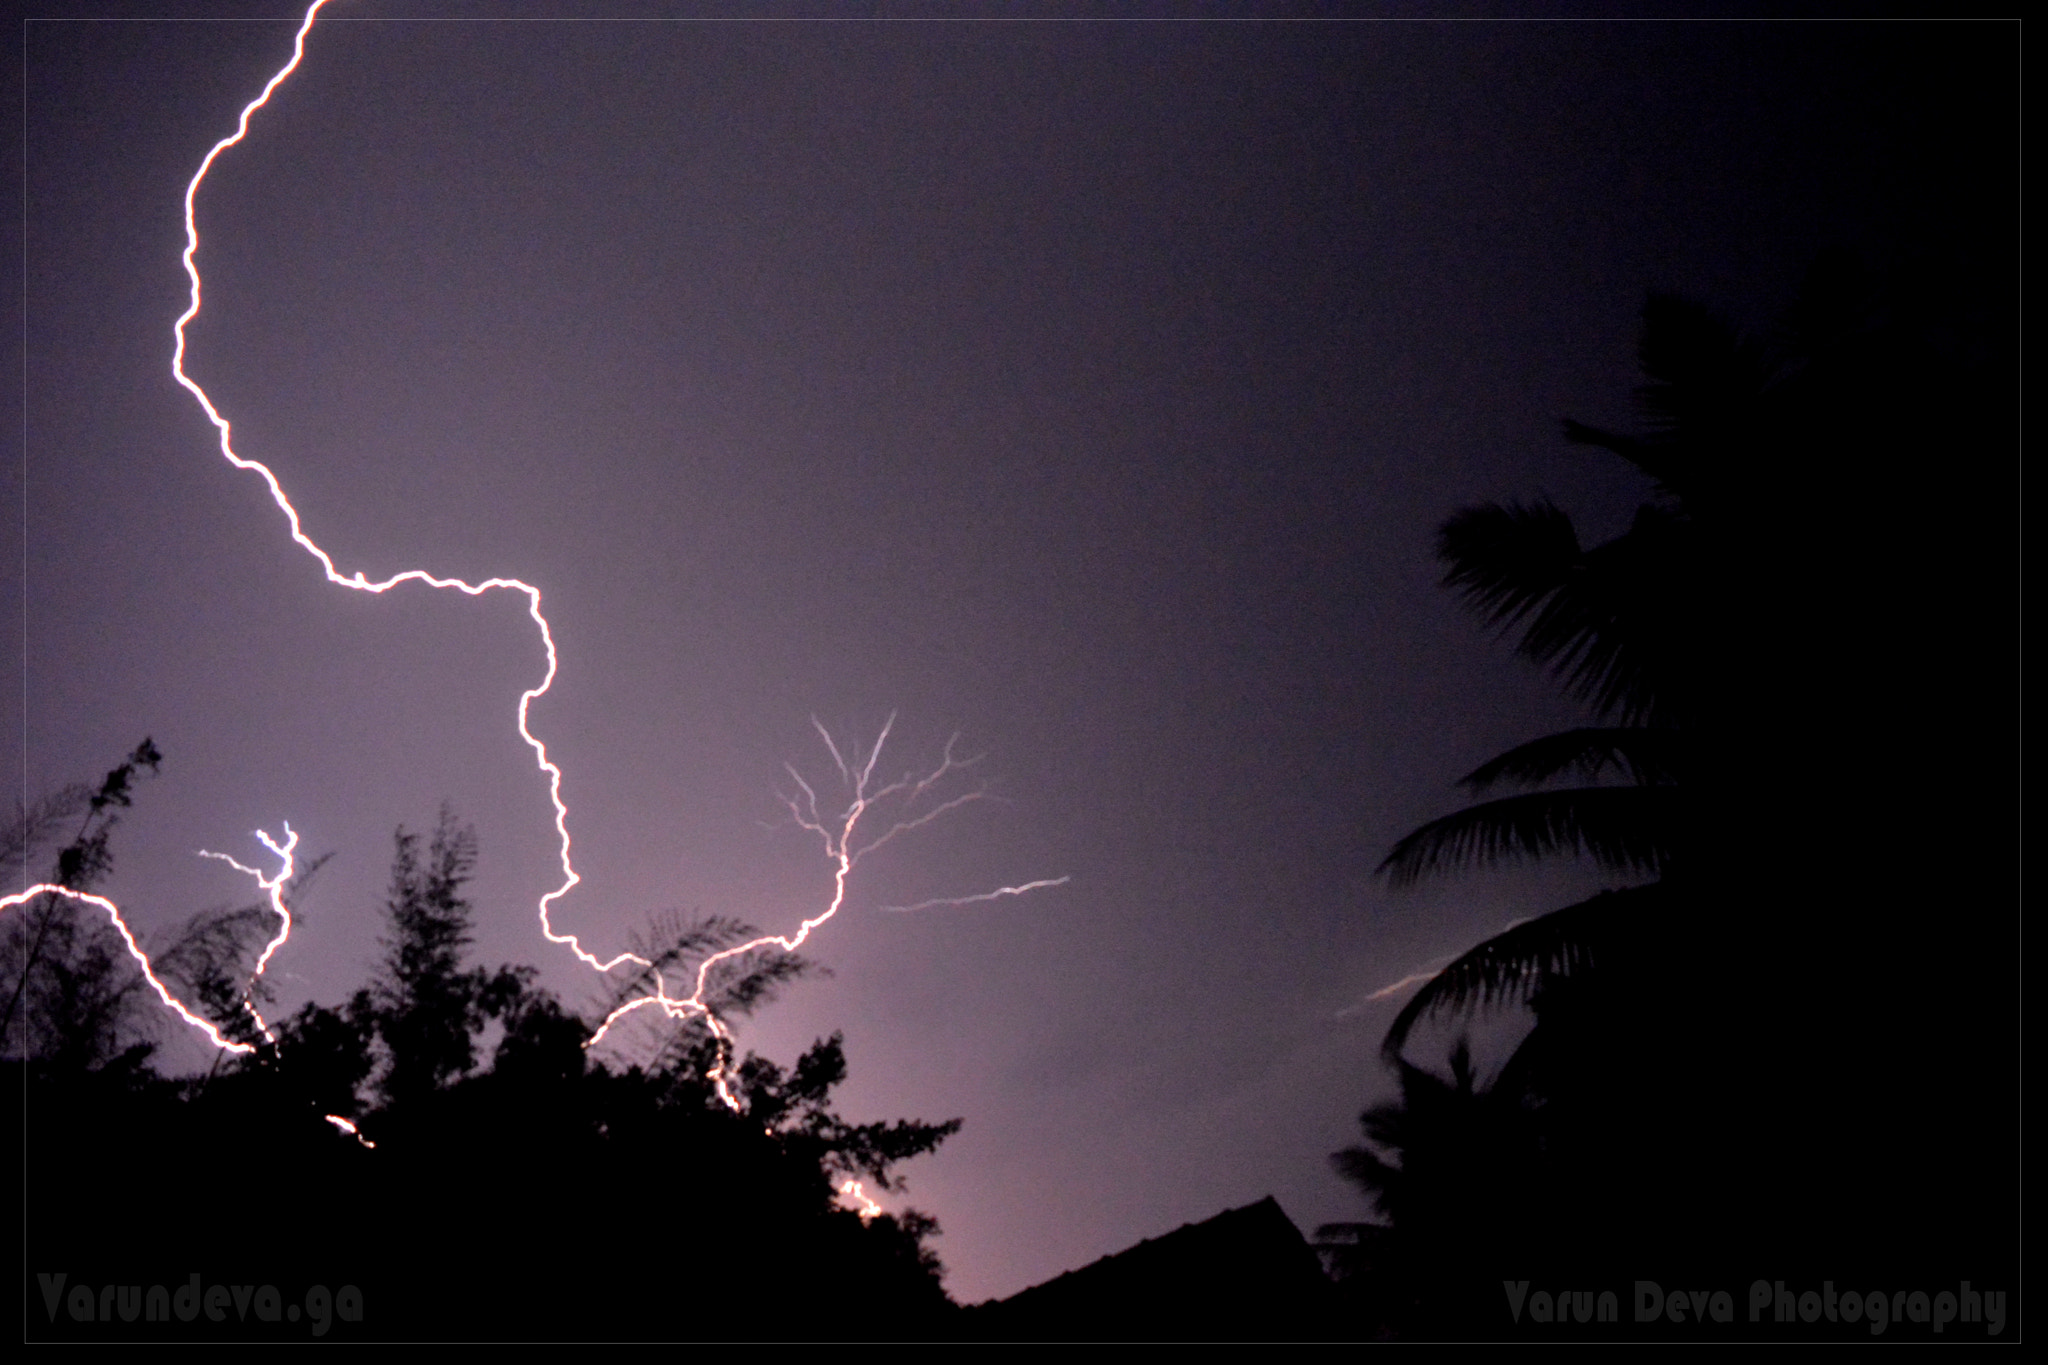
point(1092, 390)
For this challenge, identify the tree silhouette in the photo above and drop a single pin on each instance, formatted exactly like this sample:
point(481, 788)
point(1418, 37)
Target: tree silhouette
point(1453, 1170)
point(70, 986)
point(1621, 625)
point(670, 949)
point(424, 1007)
point(1629, 1069)
point(1723, 1024)
point(470, 1187)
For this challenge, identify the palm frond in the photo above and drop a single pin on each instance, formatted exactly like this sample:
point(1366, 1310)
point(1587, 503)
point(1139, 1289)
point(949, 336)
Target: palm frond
point(1507, 968)
point(1601, 620)
point(1624, 829)
point(1701, 399)
point(671, 948)
point(1644, 755)
point(1370, 1171)
point(1703, 377)
point(1508, 560)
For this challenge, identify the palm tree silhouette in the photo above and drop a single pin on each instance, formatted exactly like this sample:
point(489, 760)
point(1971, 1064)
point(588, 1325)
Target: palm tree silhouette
point(1453, 1168)
point(1423, 1152)
point(1795, 922)
point(1619, 984)
point(1626, 627)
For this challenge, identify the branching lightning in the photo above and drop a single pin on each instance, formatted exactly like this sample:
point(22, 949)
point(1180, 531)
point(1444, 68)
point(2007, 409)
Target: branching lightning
point(844, 845)
point(359, 581)
point(274, 885)
point(843, 835)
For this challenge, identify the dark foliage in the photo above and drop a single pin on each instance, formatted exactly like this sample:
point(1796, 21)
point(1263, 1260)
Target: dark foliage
point(1622, 626)
point(1718, 1051)
point(1453, 1170)
point(423, 1007)
point(66, 990)
point(505, 1185)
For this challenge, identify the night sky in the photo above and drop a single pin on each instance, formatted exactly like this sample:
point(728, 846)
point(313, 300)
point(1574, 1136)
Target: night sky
point(1091, 390)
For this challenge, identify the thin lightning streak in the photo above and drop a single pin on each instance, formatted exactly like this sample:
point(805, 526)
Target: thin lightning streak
point(996, 894)
point(1416, 978)
point(1396, 987)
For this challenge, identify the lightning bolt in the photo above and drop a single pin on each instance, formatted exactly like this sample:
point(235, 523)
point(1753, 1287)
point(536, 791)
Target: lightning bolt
point(841, 833)
point(857, 1199)
point(274, 885)
point(359, 581)
point(205, 1026)
point(348, 1127)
